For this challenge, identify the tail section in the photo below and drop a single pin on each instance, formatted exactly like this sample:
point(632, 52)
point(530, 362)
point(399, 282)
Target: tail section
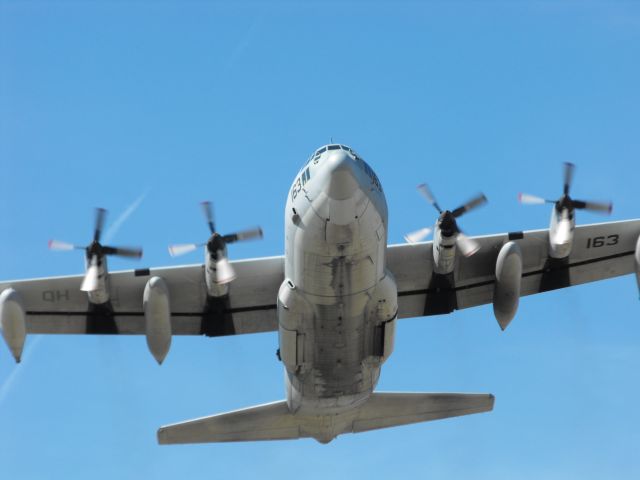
point(271, 421)
point(392, 409)
point(274, 421)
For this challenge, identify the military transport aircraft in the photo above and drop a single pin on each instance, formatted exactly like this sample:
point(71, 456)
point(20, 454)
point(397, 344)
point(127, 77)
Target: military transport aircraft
point(334, 297)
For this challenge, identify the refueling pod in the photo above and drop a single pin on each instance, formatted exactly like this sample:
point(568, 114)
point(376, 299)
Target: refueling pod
point(12, 321)
point(506, 295)
point(157, 316)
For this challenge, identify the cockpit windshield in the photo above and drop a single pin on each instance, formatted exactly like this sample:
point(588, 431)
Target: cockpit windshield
point(318, 153)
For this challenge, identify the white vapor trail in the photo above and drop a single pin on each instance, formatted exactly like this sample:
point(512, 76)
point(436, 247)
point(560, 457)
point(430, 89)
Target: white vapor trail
point(7, 384)
point(18, 369)
point(115, 226)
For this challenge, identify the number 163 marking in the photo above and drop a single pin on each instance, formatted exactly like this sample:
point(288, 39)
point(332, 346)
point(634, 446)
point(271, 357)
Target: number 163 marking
point(608, 241)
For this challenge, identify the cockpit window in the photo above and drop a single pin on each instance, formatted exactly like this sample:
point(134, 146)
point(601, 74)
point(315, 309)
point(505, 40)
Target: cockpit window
point(316, 155)
point(351, 151)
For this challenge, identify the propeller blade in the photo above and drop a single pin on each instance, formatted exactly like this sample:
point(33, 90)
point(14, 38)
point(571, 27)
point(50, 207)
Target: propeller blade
point(470, 205)
point(177, 250)
point(466, 245)
point(532, 199)
point(418, 235)
point(208, 213)
point(99, 224)
point(243, 235)
point(225, 272)
point(426, 193)
point(562, 233)
point(568, 176)
point(90, 282)
point(130, 252)
point(57, 245)
point(593, 206)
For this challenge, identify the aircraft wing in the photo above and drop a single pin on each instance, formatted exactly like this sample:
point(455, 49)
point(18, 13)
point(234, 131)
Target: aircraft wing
point(600, 251)
point(56, 305)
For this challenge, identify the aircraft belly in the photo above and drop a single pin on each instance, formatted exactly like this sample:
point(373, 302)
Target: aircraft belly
point(334, 369)
point(337, 366)
point(330, 302)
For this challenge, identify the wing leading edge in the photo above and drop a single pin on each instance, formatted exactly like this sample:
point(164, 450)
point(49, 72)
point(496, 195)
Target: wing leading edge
point(57, 305)
point(600, 251)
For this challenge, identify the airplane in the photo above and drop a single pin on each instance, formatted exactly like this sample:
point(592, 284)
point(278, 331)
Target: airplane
point(334, 297)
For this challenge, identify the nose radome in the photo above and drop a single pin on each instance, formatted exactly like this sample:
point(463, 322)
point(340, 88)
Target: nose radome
point(342, 177)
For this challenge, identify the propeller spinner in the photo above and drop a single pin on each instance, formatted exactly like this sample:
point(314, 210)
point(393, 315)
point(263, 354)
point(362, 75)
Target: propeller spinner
point(95, 252)
point(217, 246)
point(447, 223)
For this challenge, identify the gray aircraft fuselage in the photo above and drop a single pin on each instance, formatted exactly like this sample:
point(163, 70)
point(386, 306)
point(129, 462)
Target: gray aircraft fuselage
point(338, 303)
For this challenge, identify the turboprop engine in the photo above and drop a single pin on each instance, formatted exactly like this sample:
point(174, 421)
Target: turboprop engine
point(96, 279)
point(447, 235)
point(218, 271)
point(563, 220)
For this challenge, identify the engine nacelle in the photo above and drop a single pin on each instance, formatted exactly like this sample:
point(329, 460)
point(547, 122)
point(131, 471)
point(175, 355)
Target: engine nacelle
point(157, 316)
point(100, 295)
point(561, 233)
point(506, 295)
point(12, 321)
point(216, 273)
point(444, 252)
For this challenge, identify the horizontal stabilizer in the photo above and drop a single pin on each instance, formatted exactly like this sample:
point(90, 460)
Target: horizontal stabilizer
point(274, 421)
point(271, 421)
point(384, 410)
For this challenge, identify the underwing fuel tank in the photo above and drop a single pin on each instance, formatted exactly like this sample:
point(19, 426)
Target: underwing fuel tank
point(12, 321)
point(157, 316)
point(506, 295)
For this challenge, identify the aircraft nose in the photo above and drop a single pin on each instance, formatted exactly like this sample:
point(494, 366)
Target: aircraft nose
point(342, 182)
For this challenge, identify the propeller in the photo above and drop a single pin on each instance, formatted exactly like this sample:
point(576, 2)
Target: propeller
point(95, 251)
point(447, 222)
point(216, 245)
point(565, 201)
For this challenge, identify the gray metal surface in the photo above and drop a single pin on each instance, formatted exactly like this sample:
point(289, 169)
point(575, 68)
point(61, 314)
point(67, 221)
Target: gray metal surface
point(474, 277)
point(56, 305)
point(333, 298)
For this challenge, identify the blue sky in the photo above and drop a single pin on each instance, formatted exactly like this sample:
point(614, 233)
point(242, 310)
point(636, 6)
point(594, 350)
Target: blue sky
point(102, 102)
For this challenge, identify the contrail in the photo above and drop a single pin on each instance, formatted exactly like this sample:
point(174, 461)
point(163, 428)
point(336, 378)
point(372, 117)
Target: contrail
point(115, 226)
point(5, 387)
point(241, 46)
point(17, 370)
